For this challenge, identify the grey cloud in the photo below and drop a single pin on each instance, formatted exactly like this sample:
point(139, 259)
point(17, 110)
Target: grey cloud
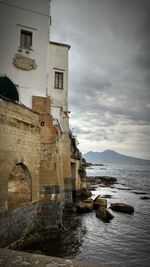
point(109, 93)
point(143, 60)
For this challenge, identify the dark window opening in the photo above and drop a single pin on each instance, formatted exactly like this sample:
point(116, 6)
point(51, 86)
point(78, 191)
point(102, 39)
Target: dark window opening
point(58, 83)
point(8, 89)
point(26, 39)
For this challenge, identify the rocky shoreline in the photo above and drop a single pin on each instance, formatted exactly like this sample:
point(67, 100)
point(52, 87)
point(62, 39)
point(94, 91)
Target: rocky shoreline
point(99, 204)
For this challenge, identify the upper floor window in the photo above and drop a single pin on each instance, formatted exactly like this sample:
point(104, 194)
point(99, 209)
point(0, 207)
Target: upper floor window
point(58, 82)
point(26, 39)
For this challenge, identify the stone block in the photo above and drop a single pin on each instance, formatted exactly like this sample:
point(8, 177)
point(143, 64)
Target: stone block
point(41, 104)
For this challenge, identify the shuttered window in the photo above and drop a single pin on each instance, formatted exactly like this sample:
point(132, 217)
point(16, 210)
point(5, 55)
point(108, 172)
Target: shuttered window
point(58, 82)
point(26, 39)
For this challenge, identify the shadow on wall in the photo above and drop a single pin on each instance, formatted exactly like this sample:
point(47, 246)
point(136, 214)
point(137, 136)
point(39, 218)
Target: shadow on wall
point(19, 186)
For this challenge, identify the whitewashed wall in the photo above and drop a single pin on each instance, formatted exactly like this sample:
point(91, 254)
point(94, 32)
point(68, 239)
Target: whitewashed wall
point(34, 16)
point(58, 62)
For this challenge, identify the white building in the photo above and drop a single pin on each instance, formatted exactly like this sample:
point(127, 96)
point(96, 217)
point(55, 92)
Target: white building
point(35, 65)
point(39, 68)
point(24, 31)
point(58, 82)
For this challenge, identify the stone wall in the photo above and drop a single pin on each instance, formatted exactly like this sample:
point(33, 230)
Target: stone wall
point(51, 181)
point(19, 144)
point(31, 175)
point(76, 180)
point(36, 179)
point(29, 218)
point(16, 223)
point(65, 141)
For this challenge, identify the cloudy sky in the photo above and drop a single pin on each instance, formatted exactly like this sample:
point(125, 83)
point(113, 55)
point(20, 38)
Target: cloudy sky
point(109, 72)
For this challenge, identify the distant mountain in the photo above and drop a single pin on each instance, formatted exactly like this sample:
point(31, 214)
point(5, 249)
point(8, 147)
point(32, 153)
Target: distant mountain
point(109, 156)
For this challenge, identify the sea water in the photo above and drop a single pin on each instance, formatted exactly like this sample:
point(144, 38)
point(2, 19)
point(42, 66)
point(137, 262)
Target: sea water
point(125, 240)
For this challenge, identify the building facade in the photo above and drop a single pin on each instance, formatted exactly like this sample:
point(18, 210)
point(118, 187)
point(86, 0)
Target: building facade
point(25, 30)
point(58, 93)
point(39, 160)
point(58, 82)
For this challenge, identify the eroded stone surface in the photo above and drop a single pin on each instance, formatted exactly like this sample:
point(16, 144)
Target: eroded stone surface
point(24, 63)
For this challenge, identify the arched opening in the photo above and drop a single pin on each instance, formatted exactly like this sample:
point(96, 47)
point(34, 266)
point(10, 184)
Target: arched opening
point(8, 89)
point(19, 186)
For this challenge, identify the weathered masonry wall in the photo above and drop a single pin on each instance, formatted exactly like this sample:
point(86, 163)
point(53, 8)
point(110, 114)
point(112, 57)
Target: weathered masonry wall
point(51, 185)
point(31, 176)
point(76, 179)
point(65, 143)
point(17, 223)
point(19, 144)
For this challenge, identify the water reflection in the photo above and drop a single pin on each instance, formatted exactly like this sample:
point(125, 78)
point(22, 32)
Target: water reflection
point(125, 240)
point(67, 244)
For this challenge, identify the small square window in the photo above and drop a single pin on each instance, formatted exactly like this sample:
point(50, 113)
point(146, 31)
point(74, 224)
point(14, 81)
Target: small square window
point(58, 82)
point(25, 39)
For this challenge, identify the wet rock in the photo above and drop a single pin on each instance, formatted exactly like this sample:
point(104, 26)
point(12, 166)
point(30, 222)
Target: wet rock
point(102, 180)
point(106, 196)
point(85, 206)
point(139, 193)
point(104, 214)
point(107, 179)
point(121, 207)
point(145, 198)
point(85, 193)
point(124, 188)
point(100, 202)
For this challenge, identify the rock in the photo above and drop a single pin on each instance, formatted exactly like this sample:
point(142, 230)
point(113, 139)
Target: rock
point(104, 214)
point(145, 198)
point(85, 193)
point(100, 202)
point(102, 180)
point(85, 206)
point(107, 179)
point(124, 188)
point(106, 196)
point(121, 207)
point(139, 193)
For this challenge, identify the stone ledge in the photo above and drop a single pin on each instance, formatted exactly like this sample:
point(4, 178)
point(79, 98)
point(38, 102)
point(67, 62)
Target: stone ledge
point(11, 258)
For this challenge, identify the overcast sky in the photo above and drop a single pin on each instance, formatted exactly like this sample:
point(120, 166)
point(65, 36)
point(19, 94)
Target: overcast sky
point(109, 72)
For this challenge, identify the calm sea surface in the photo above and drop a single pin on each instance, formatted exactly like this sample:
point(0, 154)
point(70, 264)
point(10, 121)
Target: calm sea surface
point(126, 239)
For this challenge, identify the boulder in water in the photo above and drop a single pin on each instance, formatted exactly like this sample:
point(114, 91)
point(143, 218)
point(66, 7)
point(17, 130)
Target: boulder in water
point(104, 214)
point(100, 202)
point(145, 198)
point(85, 206)
point(121, 207)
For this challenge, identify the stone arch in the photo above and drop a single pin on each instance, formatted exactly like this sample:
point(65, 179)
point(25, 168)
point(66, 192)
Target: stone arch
point(19, 186)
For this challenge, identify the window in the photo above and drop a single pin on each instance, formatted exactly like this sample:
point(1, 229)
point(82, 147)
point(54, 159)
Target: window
point(58, 83)
point(25, 39)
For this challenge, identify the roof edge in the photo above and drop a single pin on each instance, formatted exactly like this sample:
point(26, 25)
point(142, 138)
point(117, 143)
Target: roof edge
point(60, 44)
